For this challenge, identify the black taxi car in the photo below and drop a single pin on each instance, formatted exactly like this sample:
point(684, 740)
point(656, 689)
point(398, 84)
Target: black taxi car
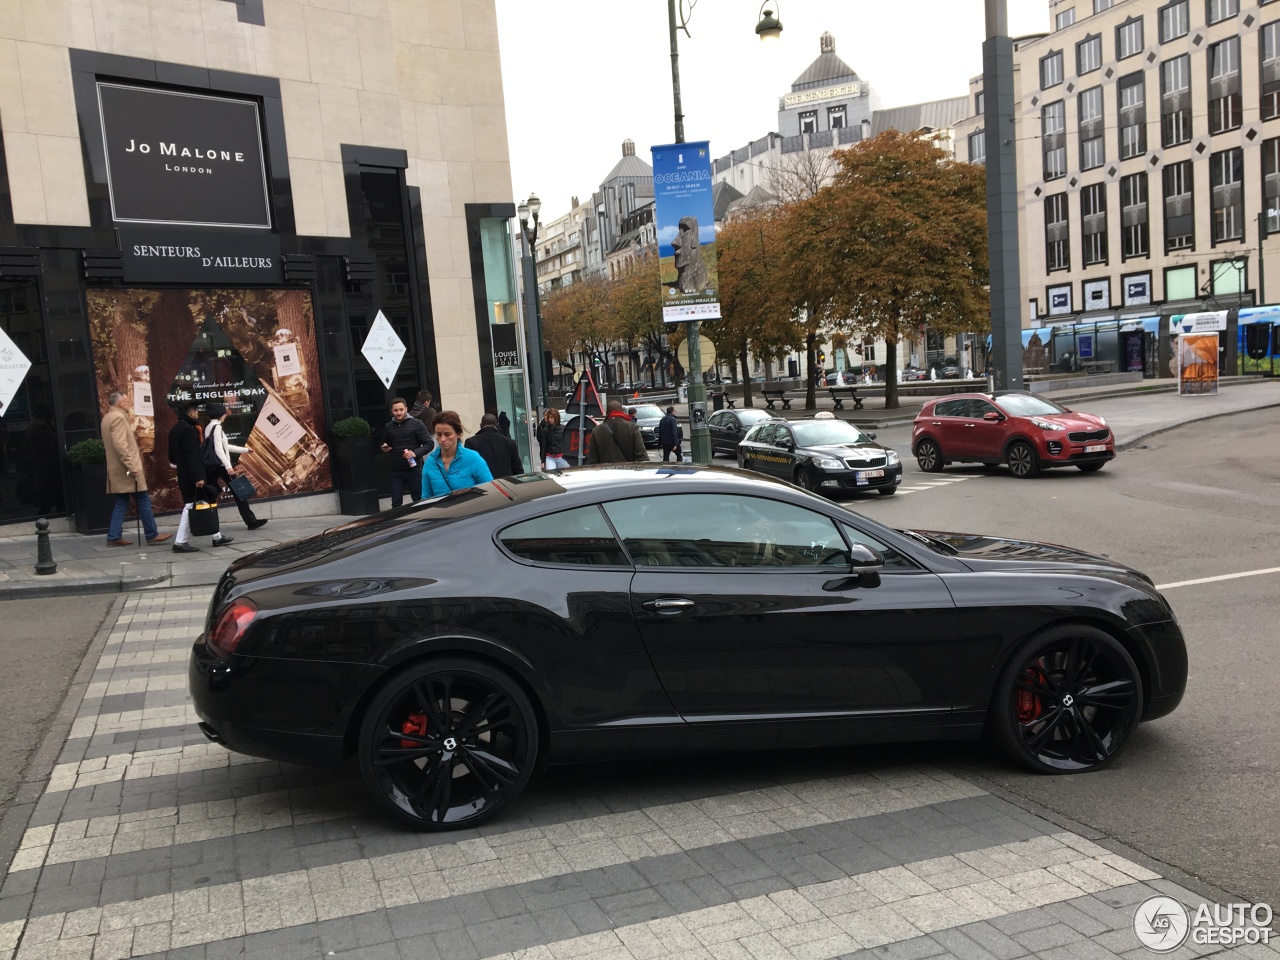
point(821, 454)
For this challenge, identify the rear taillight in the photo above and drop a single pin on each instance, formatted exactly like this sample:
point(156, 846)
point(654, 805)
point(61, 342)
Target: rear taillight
point(231, 626)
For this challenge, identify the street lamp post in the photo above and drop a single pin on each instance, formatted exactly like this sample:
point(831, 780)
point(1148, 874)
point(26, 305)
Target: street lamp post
point(528, 213)
point(1002, 200)
point(768, 28)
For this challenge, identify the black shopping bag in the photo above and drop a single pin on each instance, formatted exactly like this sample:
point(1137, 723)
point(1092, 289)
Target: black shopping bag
point(242, 487)
point(204, 520)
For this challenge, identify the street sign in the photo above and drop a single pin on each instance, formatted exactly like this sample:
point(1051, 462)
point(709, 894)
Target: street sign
point(708, 354)
point(384, 349)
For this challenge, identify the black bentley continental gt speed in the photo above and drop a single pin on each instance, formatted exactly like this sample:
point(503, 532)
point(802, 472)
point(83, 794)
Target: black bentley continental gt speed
point(454, 644)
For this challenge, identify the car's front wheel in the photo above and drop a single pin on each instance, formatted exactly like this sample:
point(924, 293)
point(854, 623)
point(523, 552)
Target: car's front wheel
point(1089, 467)
point(929, 456)
point(1023, 462)
point(888, 491)
point(805, 479)
point(1066, 701)
point(448, 743)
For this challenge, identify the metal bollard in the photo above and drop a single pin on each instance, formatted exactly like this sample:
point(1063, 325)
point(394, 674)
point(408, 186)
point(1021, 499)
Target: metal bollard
point(44, 552)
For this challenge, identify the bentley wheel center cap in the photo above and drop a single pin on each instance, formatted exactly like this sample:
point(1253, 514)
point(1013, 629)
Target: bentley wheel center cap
point(1067, 701)
point(450, 743)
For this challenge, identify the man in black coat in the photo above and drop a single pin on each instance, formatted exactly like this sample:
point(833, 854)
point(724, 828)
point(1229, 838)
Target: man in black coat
point(408, 442)
point(185, 454)
point(669, 435)
point(502, 454)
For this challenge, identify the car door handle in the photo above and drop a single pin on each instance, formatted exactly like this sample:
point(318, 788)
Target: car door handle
point(669, 606)
point(970, 425)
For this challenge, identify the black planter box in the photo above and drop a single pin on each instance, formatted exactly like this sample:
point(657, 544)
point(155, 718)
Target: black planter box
point(89, 497)
point(353, 475)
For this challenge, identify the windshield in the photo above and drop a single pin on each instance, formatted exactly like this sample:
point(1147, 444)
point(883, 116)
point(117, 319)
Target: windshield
point(647, 411)
point(1025, 405)
point(820, 432)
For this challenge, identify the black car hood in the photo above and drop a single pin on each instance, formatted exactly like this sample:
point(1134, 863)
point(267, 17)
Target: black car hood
point(848, 451)
point(1001, 553)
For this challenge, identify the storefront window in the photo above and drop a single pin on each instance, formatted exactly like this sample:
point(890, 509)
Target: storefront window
point(505, 329)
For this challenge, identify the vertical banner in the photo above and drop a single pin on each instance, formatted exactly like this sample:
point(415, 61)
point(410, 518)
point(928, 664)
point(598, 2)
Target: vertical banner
point(686, 232)
point(1197, 364)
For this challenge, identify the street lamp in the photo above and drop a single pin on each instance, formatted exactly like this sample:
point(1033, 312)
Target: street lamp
point(767, 28)
point(528, 213)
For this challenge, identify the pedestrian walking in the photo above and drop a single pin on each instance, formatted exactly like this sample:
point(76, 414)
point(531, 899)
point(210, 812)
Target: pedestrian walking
point(617, 439)
point(219, 470)
point(125, 477)
point(185, 454)
point(406, 440)
point(504, 423)
point(550, 435)
point(502, 454)
point(670, 433)
point(452, 466)
point(423, 411)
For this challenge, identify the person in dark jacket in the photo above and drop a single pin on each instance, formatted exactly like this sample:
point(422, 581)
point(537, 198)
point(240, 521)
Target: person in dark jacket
point(186, 454)
point(423, 410)
point(407, 441)
point(669, 435)
point(502, 454)
point(617, 440)
point(550, 435)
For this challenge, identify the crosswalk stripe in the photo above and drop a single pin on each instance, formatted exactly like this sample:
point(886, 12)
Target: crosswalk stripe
point(130, 721)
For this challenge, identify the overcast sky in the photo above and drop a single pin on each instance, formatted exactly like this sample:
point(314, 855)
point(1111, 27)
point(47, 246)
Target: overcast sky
point(581, 76)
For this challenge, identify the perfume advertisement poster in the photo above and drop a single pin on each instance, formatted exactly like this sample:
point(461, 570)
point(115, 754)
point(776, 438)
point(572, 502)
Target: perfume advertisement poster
point(254, 351)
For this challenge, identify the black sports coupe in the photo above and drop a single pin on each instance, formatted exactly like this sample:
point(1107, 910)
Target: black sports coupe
point(454, 644)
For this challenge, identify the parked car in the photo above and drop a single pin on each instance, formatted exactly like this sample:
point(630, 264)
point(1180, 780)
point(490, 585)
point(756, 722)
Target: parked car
point(1027, 432)
point(728, 427)
point(912, 374)
point(455, 644)
point(822, 455)
point(950, 369)
point(648, 416)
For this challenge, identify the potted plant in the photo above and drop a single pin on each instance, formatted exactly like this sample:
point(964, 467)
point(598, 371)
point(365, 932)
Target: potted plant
point(351, 454)
point(89, 497)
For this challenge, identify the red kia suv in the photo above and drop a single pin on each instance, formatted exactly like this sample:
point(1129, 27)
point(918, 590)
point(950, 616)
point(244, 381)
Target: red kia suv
point(1027, 432)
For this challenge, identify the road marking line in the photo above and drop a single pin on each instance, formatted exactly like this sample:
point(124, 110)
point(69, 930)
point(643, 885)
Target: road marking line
point(1225, 576)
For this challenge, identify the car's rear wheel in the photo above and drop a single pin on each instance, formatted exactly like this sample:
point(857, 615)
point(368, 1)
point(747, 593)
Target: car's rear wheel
point(1089, 467)
point(1023, 462)
point(929, 456)
point(448, 743)
point(1066, 701)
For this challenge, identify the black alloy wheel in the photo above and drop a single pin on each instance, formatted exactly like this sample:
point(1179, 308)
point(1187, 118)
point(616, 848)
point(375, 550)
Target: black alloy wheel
point(448, 743)
point(929, 456)
point(806, 480)
point(1023, 462)
point(1089, 467)
point(1067, 701)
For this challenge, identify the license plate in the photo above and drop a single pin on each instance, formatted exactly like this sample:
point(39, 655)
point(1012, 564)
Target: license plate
point(1096, 448)
point(868, 474)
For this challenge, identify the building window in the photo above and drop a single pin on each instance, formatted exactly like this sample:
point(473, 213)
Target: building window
point(1100, 5)
point(1131, 92)
point(836, 118)
point(1051, 70)
point(1093, 223)
point(1179, 283)
point(1175, 101)
point(980, 103)
point(1179, 207)
point(809, 121)
point(1175, 20)
point(1224, 85)
point(1129, 39)
point(1091, 141)
point(1057, 233)
point(1064, 19)
point(1133, 216)
point(1053, 129)
point(1229, 276)
point(1271, 183)
point(1226, 178)
point(1088, 54)
point(978, 147)
point(1271, 71)
point(1221, 9)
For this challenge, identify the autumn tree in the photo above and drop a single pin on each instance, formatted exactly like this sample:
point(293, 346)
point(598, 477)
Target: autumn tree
point(897, 239)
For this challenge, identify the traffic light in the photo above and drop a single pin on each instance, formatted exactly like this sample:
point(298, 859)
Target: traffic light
point(822, 356)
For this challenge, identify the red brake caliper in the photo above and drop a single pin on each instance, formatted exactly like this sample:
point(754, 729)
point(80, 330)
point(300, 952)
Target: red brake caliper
point(416, 726)
point(1027, 705)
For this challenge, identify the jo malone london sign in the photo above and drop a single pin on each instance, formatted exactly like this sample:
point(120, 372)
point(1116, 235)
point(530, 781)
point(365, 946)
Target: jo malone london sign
point(182, 158)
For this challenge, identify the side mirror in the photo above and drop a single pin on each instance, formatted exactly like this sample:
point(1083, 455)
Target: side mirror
point(993, 417)
point(786, 445)
point(866, 564)
point(871, 435)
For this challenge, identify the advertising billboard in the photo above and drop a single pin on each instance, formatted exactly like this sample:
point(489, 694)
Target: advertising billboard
point(686, 228)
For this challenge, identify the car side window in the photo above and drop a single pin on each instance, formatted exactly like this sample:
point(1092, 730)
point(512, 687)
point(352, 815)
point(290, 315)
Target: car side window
point(764, 433)
point(949, 408)
point(783, 435)
point(893, 560)
point(980, 408)
point(716, 531)
point(580, 537)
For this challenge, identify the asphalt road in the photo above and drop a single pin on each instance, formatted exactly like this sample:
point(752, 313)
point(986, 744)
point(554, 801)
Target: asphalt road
point(1199, 789)
point(42, 644)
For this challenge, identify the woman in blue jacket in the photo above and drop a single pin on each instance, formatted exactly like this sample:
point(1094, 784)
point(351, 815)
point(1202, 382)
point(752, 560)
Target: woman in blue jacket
point(451, 466)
